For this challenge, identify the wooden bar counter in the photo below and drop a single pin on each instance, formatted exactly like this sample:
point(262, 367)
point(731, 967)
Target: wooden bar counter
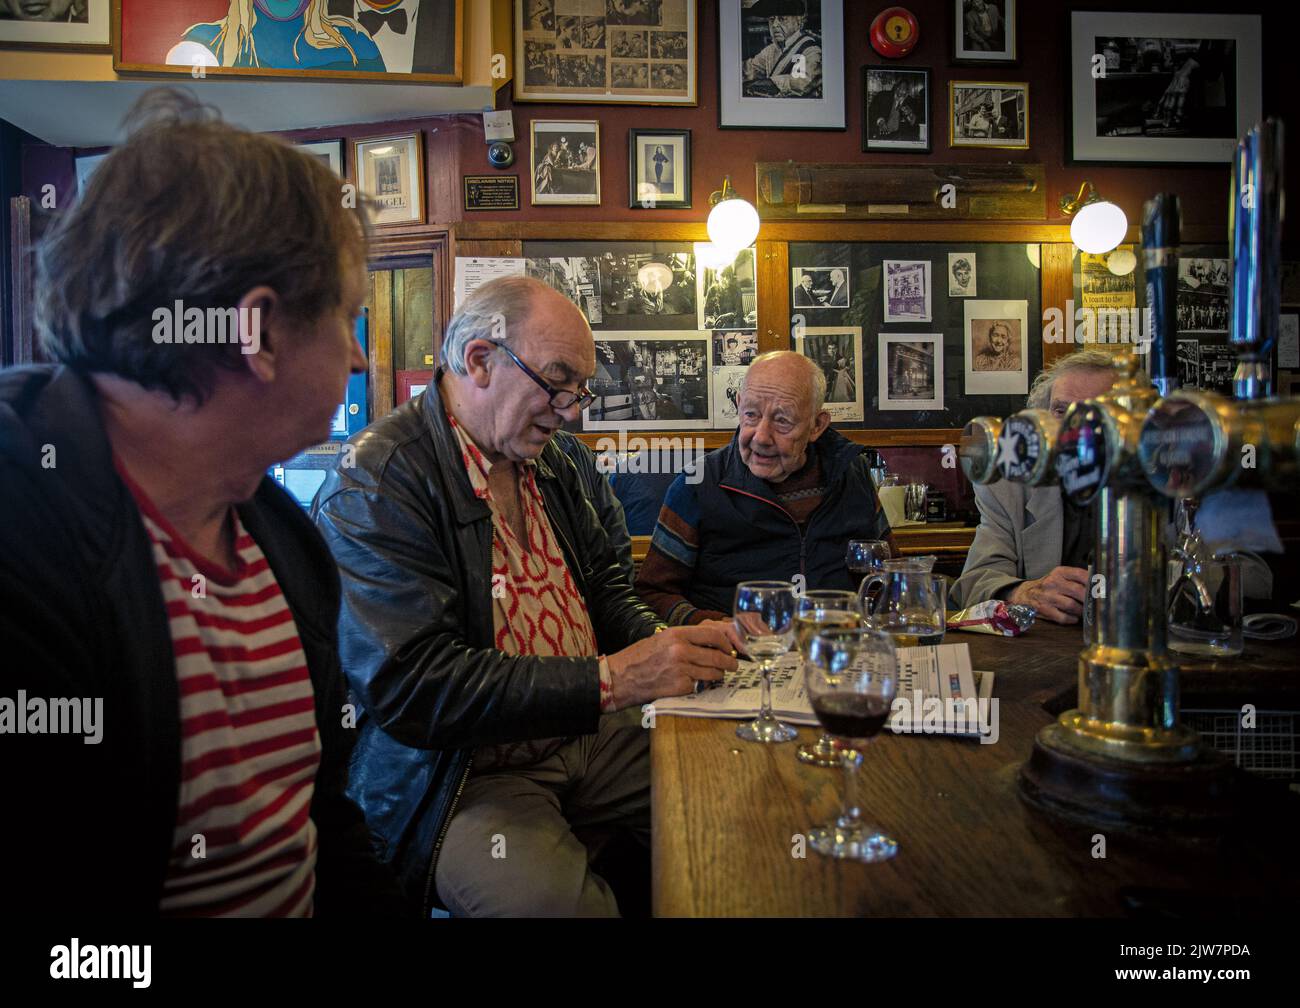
point(726, 815)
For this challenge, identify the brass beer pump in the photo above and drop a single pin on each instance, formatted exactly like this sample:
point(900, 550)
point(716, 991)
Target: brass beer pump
point(1122, 758)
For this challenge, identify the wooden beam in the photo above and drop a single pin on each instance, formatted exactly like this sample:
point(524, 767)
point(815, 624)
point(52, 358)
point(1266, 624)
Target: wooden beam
point(1057, 271)
point(773, 296)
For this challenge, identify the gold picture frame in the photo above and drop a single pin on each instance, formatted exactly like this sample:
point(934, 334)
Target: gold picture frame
point(988, 121)
point(389, 171)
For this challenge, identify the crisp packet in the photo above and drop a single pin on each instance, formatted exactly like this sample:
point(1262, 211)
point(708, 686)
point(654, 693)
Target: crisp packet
point(994, 617)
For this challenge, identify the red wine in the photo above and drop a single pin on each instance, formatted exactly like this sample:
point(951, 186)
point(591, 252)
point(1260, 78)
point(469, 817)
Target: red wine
point(851, 715)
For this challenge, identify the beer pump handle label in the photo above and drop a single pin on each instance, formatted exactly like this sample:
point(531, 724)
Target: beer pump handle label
point(1020, 446)
point(1082, 461)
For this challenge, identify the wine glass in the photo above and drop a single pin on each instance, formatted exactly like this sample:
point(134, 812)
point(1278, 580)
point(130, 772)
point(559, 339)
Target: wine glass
point(817, 611)
point(865, 555)
point(852, 678)
point(765, 615)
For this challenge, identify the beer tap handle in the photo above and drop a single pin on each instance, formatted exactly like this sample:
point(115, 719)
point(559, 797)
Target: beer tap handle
point(1160, 237)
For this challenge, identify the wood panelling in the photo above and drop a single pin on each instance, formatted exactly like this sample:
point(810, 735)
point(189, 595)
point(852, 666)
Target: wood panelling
point(717, 438)
point(1057, 264)
point(773, 296)
point(380, 300)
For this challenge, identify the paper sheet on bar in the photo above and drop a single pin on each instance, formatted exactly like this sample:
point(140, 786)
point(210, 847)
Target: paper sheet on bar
point(938, 693)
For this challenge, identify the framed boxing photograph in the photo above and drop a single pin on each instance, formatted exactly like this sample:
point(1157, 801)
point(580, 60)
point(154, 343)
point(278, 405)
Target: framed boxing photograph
point(781, 64)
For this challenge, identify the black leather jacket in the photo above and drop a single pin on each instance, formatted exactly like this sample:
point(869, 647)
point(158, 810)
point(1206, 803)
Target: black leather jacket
point(414, 550)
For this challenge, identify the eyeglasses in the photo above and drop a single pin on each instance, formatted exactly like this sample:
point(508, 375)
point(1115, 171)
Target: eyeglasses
point(561, 399)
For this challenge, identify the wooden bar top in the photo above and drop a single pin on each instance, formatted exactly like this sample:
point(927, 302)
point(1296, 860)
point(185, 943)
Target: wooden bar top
point(726, 814)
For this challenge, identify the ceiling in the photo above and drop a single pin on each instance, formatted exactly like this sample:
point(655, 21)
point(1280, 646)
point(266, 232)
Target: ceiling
point(88, 113)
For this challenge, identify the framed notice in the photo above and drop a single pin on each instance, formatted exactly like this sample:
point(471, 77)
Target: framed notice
point(640, 52)
point(390, 171)
point(491, 192)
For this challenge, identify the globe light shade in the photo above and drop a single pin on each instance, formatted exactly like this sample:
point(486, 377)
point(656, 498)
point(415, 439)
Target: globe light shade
point(1098, 227)
point(733, 224)
point(709, 255)
point(1122, 262)
point(654, 278)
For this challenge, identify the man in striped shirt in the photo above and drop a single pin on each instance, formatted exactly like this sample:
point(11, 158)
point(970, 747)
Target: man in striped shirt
point(147, 561)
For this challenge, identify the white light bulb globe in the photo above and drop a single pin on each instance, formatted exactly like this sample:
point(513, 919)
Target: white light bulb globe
point(712, 256)
point(733, 224)
point(1122, 262)
point(1098, 227)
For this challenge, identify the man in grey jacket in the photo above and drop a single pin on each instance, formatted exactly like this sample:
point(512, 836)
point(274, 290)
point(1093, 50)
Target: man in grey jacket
point(1031, 546)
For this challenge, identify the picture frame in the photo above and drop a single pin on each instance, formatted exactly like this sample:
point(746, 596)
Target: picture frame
point(85, 166)
point(643, 53)
point(981, 39)
point(564, 171)
point(988, 114)
point(178, 38)
point(910, 371)
point(894, 121)
point(837, 350)
point(995, 340)
point(659, 169)
point(87, 30)
point(905, 289)
point(329, 151)
point(1121, 117)
point(819, 287)
point(727, 296)
point(762, 84)
point(651, 381)
point(389, 171)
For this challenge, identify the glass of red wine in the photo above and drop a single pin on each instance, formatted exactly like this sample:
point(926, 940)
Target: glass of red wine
point(852, 677)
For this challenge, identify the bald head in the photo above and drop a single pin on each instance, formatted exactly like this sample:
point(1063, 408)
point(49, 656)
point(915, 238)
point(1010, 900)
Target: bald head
point(790, 371)
point(781, 413)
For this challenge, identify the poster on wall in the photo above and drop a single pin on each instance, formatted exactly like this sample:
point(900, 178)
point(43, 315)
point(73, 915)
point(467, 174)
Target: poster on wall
point(651, 381)
point(838, 352)
point(1101, 283)
point(910, 371)
point(1202, 298)
point(996, 345)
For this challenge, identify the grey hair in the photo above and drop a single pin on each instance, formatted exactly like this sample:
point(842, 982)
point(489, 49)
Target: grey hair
point(1088, 359)
point(816, 377)
point(491, 313)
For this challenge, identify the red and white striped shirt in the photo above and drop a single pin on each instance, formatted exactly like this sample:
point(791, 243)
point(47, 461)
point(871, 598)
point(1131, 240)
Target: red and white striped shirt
point(249, 745)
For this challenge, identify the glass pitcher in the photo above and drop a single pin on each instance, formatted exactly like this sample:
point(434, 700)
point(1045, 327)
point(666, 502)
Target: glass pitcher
point(901, 599)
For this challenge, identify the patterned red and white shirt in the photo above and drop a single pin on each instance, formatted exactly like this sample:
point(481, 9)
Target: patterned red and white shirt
point(249, 744)
point(536, 606)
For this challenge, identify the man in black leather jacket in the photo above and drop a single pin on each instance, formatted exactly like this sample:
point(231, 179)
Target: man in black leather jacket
point(421, 514)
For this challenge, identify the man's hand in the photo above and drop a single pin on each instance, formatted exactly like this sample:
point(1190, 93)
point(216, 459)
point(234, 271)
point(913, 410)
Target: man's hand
point(1058, 597)
point(728, 627)
point(668, 663)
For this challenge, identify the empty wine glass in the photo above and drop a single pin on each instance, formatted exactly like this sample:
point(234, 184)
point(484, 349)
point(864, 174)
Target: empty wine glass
point(852, 679)
point(865, 555)
point(817, 611)
point(765, 615)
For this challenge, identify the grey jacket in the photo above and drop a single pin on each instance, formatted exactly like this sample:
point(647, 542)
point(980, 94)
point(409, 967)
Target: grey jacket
point(1018, 539)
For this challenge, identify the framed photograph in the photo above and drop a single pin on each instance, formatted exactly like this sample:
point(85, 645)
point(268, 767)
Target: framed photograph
point(728, 296)
point(1201, 304)
point(1162, 88)
point(819, 287)
point(983, 114)
point(838, 352)
point(566, 162)
point(910, 371)
point(408, 41)
point(650, 381)
point(55, 24)
point(329, 151)
point(962, 279)
point(906, 289)
point(576, 277)
point(734, 347)
point(647, 290)
point(896, 116)
point(726, 382)
point(983, 31)
point(390, 171)
point(996, 341)
point(1189, 362)
point(638, 52)
point(658, 169)
point(778, 69)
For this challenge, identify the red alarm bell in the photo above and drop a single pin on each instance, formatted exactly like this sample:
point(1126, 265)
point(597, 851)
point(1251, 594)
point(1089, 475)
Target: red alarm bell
point(894, 32)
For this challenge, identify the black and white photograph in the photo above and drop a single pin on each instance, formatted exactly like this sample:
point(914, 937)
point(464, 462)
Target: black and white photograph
point(659, 169)
point(1218, 365)
point(565, 162)
point(988, 114)
point(984, 31)
point(781, 63)
point(910, 371)
point(962, 279)
point(650, 381)
point(838, 352)
point(55, 24)
point(1163, 87)
point(819, 287)
point(897, 112)
point(734, 347)
point(906, 290)
point(1110, 280)
point(1203, 285)
point(608, 51)
point(726, 395)
point(576, 277)
point(1189, 363)
point(996, 347)
point(645, 284)
point(329, 152)
point(728, 296)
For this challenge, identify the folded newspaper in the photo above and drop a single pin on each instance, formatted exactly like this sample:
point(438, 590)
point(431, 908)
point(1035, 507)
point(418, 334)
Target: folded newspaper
point(938, 694)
